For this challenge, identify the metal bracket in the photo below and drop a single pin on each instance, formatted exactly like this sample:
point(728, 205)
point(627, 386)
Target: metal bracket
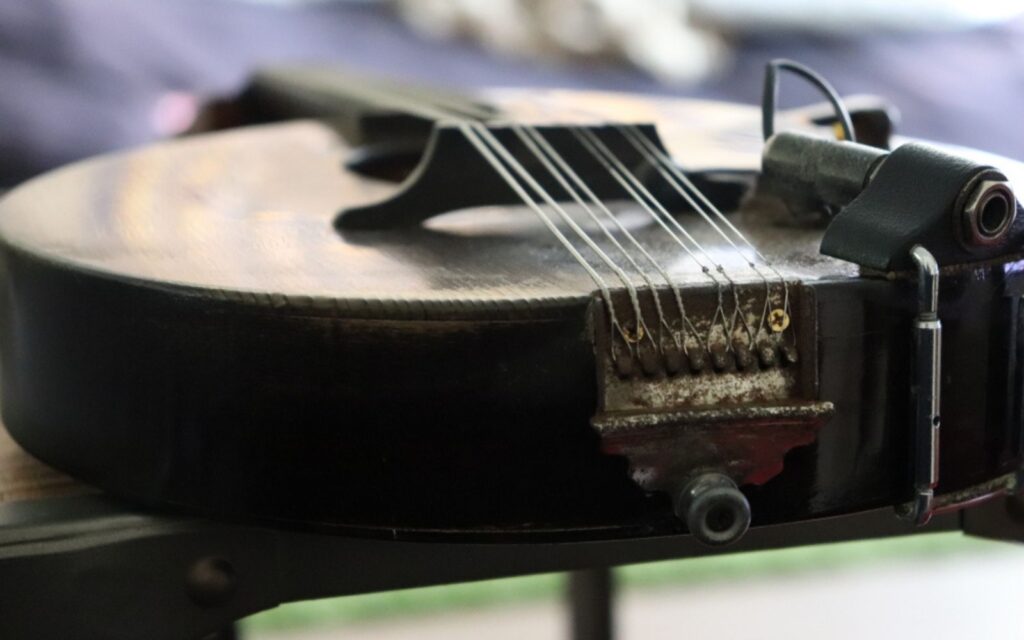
point(928, 376)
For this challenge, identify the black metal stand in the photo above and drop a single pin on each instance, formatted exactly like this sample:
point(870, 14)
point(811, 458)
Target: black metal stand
point(90, 568)
point(591, 604)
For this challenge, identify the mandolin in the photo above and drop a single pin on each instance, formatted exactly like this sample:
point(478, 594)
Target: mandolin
point(542, 315)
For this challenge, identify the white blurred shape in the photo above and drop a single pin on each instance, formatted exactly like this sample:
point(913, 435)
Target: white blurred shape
point(974, 595)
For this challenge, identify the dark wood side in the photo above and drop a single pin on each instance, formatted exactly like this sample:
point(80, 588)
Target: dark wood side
point(468, 428)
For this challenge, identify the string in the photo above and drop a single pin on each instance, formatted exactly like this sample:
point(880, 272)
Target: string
point(547, 154)
point(684, 186)
point(643, 196)
point(668, 162)
point(480, 137)
point(525, 175)
point(531, 144)
point(484, 141)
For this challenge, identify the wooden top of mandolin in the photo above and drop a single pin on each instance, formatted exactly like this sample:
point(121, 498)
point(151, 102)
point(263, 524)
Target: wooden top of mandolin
point(247, 215)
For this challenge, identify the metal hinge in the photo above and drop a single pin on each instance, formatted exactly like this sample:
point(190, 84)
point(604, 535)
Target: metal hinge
point(927, 382)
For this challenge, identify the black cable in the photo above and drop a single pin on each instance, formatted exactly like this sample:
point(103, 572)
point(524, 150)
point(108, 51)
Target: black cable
point(770, 98)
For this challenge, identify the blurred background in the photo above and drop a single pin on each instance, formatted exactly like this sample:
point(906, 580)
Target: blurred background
point(82, 77)
point(939, 586)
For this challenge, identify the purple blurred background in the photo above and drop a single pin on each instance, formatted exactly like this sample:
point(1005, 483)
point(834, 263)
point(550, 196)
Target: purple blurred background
point(84, 77)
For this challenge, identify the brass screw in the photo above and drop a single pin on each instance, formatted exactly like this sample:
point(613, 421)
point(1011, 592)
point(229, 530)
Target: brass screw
point(778, 320)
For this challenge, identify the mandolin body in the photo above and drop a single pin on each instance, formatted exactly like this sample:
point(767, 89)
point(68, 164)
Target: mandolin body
point(183, 325)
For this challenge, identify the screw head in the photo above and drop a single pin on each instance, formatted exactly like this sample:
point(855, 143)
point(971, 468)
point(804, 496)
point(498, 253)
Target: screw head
point(778, 320)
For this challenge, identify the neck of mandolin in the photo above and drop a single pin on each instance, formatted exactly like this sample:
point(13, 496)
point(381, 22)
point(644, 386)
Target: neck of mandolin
point(365, 111)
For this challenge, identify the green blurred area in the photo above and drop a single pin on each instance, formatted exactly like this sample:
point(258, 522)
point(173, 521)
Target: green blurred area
point(408, 602)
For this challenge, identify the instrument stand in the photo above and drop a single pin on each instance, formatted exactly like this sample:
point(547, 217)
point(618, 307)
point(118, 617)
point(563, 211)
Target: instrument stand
point(591, 594)
point(90, 567)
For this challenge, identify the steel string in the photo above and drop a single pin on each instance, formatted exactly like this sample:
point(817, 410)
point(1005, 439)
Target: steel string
point(488, 145)
point(657, 211)
point(553, 154)
point(483, 137)
point(685, 187)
